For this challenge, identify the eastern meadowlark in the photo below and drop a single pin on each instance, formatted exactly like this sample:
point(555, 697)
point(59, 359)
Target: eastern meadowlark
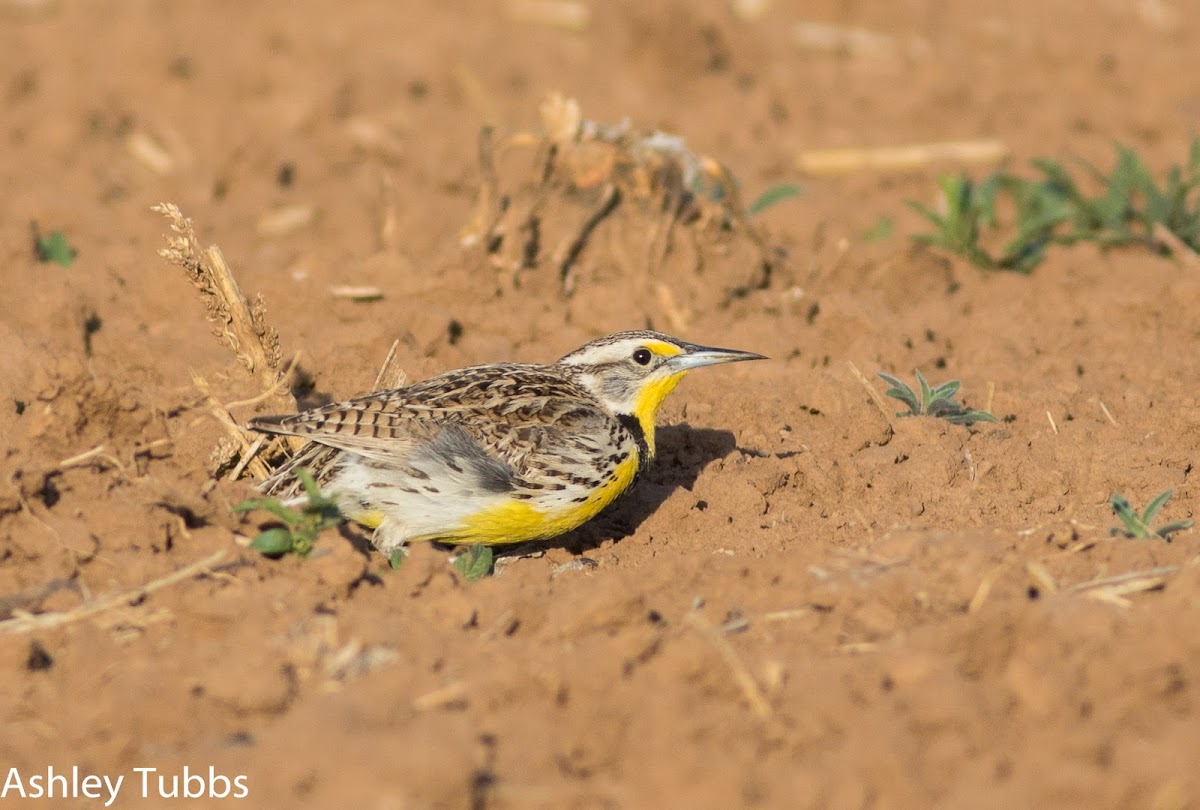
point(500, 453)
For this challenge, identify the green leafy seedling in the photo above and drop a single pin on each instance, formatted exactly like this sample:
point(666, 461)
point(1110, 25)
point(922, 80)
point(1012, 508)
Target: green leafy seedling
point(397, 558)
point(301, 527)
point(476, 562)
point(1138, 526)
point(773, 195)
point(933, 401)
point(968, 206)
point(54, 247)
point(880, 231)
point(1130, 207)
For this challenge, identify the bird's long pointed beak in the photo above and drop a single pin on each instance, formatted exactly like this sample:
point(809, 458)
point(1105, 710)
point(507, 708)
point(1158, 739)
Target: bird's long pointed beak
point(697, 356)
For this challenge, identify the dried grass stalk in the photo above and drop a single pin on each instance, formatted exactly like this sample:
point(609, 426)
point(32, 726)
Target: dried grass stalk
point(236, 323)
point(875, 397)
point(245, 442)
point(390, 375)
point(150, 153)
point(26, 622)
point(899, 158)
point(569, 15)
point(1148, 579)
point(741, 673)
point(239, 324)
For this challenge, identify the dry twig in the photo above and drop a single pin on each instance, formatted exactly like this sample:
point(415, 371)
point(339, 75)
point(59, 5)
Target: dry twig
point(243, 439)
point(1107, 413)
point(444, 697)
point(390, 374)
point(899, 158)
point(25, 623)
point(286, 219)
point(985, 586)
point(875, 397)
point(1179, 248)
point(99, 453)
point(363, 293)
point(787, 615)
point(389, 227)
point(1129, 582)
point(241, 327)
point(237, 323)
point(150, 153)
point(569, 15)
point(1041, 576)
point(741, 674)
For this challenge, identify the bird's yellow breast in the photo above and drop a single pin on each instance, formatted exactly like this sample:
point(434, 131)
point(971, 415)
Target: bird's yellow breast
point(520, 521)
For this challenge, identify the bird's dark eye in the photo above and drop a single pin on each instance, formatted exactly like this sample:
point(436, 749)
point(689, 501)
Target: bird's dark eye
point(642, 357)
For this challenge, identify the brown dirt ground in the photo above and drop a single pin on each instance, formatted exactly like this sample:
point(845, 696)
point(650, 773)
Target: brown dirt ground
point(797, 607)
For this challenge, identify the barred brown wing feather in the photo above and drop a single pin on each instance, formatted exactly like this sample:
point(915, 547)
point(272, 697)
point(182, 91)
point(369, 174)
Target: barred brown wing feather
point(483, 424)
point(316, 458)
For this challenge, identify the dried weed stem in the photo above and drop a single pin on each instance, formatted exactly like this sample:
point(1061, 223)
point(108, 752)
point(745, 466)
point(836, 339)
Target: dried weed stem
point(875, 397)
point(26, 622)
point(899, 158)
point(239, 324)
point(741, 674)
point(390, 374)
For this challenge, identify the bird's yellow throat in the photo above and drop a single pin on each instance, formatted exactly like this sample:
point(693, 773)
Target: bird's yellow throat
point(649, 400)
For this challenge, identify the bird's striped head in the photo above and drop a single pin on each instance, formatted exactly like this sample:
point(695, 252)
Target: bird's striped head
point(631, 373)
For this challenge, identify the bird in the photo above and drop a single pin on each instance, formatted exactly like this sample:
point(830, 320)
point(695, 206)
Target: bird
point(494, 454)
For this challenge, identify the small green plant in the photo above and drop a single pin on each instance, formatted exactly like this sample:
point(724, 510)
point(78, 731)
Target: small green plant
point(475, 562)
point(880, 231)
point(53, 247)
point(1138, 526)
point(773, 195)
point(933, 401)
point(1132, 208)
point(301, 527)
point(968, 206)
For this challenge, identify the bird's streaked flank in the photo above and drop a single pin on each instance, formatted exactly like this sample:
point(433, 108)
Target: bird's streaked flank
point(500, 453)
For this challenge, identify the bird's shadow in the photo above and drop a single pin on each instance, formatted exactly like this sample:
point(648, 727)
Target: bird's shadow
point(682, 452)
